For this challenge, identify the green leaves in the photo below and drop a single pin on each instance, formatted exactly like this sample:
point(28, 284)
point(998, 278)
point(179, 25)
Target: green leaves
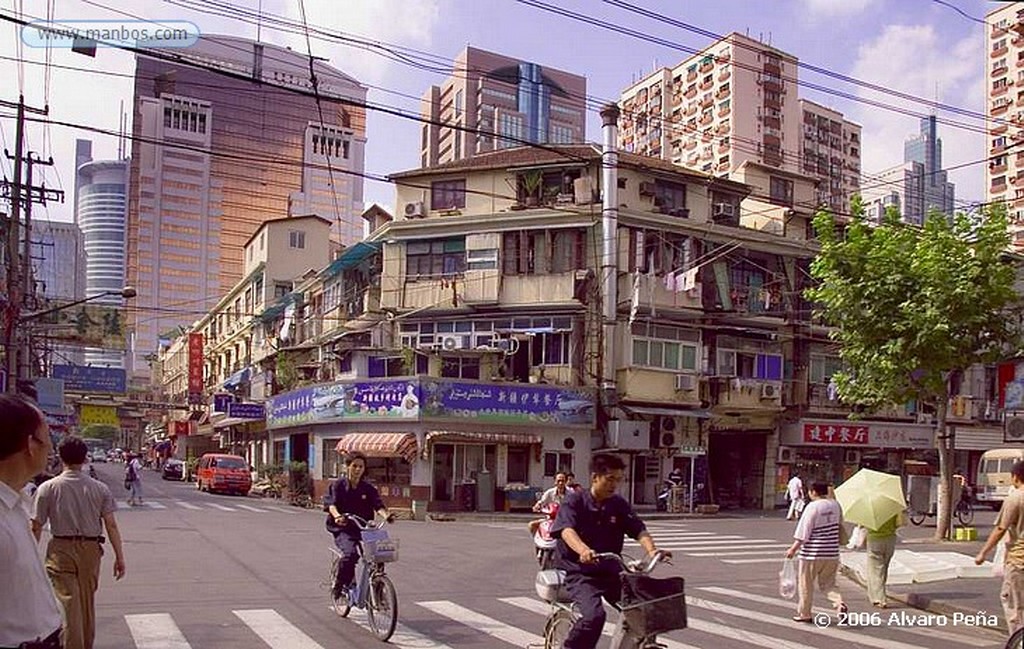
point(911, 305)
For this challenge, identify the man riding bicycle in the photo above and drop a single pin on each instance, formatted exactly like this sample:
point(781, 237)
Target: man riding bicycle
point(590, 522)
point(350, 494)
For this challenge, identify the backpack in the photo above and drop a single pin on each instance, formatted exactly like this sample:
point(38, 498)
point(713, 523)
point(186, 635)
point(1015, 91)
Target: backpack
point(129, 472)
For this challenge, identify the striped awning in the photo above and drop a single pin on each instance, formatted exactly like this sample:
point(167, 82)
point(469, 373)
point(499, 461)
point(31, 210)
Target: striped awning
point(401, 445)
point(461, 437)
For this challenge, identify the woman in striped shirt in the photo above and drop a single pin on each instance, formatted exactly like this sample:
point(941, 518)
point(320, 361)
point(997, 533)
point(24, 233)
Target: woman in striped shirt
point(817, 540)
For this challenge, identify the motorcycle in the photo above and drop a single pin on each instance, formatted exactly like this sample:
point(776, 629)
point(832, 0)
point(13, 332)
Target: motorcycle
point(661, 504)
point(543, 542)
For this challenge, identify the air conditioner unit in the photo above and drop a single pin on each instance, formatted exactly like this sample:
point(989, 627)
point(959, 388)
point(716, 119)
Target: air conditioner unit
point(724, 209)
point(769, 391)
point(786, 454)
point(451, 343)
point(1013, 430)
point(415, 210)
point(628, 435)
point(686, 382)
point(666, 440)
point(851, 457)
point(648, 189)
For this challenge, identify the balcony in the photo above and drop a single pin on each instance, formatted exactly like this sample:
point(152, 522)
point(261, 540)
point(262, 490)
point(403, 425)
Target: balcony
point(818, 400)
point(999, 91)
point(996, 53)
point(642, 384)
point(654, 290)
point(732, 393)
point(724, 74)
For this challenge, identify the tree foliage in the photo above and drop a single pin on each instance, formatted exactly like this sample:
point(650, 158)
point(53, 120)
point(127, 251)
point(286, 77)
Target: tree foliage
point(913, 306)
point(101, 431)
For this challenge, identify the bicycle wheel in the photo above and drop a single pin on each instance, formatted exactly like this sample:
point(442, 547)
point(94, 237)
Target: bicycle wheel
point(557, 629)
point(382, 607)
point(1016, 640)
point(341, 605)
point(964, 513)
point(916, 517)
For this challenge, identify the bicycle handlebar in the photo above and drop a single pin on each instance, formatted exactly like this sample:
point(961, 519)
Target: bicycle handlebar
point(364, 524)
point(635, 566)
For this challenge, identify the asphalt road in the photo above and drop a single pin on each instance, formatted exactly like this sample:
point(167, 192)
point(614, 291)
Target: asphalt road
point(228, 572)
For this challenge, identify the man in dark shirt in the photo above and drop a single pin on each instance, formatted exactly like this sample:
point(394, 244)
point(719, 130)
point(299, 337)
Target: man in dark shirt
point(589, 522)
point(350, 494)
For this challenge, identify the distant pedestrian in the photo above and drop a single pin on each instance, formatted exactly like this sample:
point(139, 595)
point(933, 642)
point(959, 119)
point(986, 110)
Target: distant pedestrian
point(676, 477)
point(795, 494)
point(1010, 519)
point(881, 545)
point(28, 609)
point(77, 508)
point(817, 540)
point(570, 482)
point(133, 480)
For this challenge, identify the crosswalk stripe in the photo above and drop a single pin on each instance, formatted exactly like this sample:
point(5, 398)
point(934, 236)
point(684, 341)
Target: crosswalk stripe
point(252, 509)
point(276, 631)
point(156, 631)
point(403, 638)
point(762, 560)
point(852, 638)
point(488, 625)
point(724, 553)
point(714, 542)
point(535, 606)
point(281, 509)
point(675, 535)
point(153, 505)
point(930, 632)
point(221, 507)
point(186, 505)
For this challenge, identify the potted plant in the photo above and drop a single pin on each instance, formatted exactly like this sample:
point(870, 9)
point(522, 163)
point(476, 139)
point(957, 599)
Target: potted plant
point(532, 181)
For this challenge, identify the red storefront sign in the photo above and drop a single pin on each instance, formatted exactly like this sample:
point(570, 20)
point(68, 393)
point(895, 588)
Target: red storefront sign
point(180, 428)
point(840, 435)
point(195, 368)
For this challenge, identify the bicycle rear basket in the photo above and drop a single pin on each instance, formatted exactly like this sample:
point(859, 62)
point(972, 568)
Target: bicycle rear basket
point(651, 606)
point(378, 547)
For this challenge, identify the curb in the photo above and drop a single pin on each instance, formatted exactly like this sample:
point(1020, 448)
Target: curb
point(925, 603)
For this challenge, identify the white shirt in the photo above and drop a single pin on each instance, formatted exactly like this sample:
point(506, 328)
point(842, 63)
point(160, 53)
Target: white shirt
point(138, 468)
point(28, 607)
point(796, 488)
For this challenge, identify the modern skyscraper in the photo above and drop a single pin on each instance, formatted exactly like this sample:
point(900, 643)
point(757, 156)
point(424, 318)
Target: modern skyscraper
point(736, 101)
point(917, 186)
point(58, 260)
point(517, 100)
point(214, 156)
point(101, 188)
point(1004, 177)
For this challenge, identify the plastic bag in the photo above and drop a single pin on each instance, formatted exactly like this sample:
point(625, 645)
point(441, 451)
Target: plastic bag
point(858, 538)
point(787, 579)
point(999, 560)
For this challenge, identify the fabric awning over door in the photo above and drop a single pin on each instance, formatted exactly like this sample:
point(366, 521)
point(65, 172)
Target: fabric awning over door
point(401, 445)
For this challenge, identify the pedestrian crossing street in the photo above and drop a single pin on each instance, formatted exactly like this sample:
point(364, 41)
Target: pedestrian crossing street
point(718, 617)
point(234, 505)
point(685, 539)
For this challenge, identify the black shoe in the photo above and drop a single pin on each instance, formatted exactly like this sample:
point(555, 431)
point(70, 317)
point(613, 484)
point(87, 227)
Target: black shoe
point(338, 591)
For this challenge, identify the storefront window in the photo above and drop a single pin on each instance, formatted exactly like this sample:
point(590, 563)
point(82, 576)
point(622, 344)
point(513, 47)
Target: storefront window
point(332, 462)
point(555, 462)
point(388, 470)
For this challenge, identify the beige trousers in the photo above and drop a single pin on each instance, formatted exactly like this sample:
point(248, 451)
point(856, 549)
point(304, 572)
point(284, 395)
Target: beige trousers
point(880, 553)
point(822, 571)
point(1012, 597)
point(74, 570)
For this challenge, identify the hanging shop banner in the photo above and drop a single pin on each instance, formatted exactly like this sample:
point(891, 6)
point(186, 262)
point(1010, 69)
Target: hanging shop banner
point(425, 398)
point(83, 378)
point(91, 414)
point(195, 368)
point(245, 410)
point(88, 324)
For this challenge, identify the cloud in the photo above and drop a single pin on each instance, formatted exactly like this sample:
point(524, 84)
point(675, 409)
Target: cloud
point(919, 61)
point(836, 8)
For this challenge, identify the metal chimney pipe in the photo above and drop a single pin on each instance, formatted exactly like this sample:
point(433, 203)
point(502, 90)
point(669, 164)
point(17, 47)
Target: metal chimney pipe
point(609, 240)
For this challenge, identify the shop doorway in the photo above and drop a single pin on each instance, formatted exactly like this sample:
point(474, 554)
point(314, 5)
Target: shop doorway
point(737, 463)
point(443, 472)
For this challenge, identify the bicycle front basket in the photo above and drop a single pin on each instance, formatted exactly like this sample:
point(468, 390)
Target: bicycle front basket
point(378, 547)
point(651, 606)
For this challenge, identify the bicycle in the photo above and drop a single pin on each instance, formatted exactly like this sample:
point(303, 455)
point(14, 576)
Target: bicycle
point(648, 607)
point(1016, 640)
point(963, 511)
point(372, 590)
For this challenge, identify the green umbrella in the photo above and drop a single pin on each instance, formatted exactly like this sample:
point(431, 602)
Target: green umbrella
point(870, 498)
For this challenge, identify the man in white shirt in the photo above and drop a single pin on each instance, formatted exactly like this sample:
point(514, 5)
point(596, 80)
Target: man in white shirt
point(817, 540)
point(795, 493)
point(28, 608)
point(554, 495)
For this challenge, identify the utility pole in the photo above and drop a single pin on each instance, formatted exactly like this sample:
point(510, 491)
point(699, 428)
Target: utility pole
point(15, 284)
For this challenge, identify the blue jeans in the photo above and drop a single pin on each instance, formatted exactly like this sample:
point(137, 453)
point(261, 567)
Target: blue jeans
point(346, 544)
point(136, 490)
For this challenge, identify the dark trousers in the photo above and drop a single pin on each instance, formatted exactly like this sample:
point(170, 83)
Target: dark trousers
point(586, 591)
point(346, 544)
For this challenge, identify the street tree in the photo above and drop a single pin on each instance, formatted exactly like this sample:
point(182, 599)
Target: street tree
point(101, 431)
point(911, 308)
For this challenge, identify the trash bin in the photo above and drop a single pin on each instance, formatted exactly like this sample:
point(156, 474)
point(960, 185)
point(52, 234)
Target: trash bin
point(485, 491)
point(419, 510)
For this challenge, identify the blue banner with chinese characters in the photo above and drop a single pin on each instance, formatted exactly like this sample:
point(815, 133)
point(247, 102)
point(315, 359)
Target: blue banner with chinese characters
point(82, 378)
point(428, 398)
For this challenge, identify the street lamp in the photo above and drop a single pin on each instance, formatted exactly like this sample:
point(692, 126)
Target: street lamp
point(128, 292)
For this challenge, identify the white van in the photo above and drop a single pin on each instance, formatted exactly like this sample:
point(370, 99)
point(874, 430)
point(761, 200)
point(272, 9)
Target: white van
point(994, 475)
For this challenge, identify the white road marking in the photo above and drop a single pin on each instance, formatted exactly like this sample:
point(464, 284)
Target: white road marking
point(763, 560)
point(282, 510)
point(724, 552)
point(154, 505)
point(276, 631)
point(221, 507)
point(186, 505)
point(482, 623)
point(404, 637)
point(252, 509)
point(156, 631)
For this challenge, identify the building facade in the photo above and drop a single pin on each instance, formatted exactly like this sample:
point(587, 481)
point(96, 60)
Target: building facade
point(737, 101)
point(1004, 51)
point(213, 157)
point(59, 264)
point(493, 102)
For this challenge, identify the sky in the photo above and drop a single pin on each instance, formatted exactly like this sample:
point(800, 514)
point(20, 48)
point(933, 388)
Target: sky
point(924, 49)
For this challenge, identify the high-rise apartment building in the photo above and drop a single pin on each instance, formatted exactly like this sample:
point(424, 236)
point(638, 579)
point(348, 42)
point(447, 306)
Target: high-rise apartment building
point(917, 186)
point(733, 102)
point(58, 268)
point(1004, 55)
point(215, 156)
point(516, 100)
point(830, 153)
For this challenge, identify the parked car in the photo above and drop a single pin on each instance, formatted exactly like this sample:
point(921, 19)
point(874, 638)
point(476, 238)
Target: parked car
point(221, 472)
point(174, 469)
point(99, 456)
